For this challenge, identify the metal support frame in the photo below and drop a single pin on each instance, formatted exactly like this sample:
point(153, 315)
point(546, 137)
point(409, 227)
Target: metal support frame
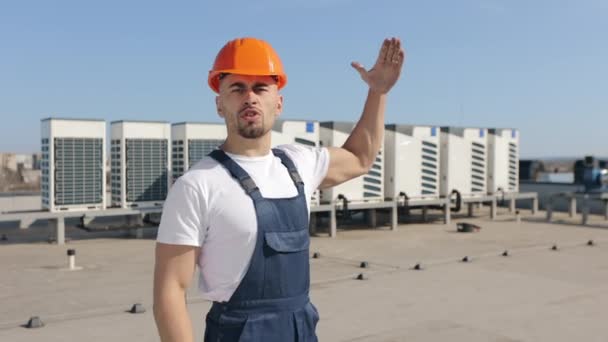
point(58, 224)
point(372, 218)
point(426, 203)
point(135, 216)
point(573, 197)
point(572, 207)
point(394, 216)
point(513, 197)
point(471, 202)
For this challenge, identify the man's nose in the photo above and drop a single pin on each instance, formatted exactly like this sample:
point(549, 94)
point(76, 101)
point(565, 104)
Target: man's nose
point(251, 98)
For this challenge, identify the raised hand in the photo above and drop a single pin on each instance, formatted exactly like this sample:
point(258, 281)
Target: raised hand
point(385, 73)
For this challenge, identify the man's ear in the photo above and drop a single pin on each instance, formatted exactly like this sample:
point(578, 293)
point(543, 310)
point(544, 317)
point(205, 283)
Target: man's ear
point(218, 107)
point(280, 105)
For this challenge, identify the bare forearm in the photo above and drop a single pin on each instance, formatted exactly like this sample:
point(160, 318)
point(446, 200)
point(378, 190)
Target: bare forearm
point(172, 319)
point(366, 138)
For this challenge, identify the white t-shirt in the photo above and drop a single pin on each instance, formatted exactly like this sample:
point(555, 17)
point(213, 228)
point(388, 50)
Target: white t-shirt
point(207, 207)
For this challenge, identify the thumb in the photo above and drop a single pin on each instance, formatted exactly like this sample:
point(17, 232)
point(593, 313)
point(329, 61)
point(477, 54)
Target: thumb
point(359, 68)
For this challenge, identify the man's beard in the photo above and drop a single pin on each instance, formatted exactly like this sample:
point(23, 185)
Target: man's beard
point(248, 131)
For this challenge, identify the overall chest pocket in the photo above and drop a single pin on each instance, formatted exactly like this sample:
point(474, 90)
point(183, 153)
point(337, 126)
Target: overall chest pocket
point(286, 263)
point(290, 241)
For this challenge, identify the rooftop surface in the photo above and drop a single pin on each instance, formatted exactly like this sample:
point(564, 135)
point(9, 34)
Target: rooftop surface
point(533, 294)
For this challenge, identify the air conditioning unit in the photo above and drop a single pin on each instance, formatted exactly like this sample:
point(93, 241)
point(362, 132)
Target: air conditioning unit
point(463, 156)
point(297, 132)
point(72, 165)
point(304, 132)
point(366, 188)
point(503, 160)
point(140, 163)
point(411, 161)
point(191, 141)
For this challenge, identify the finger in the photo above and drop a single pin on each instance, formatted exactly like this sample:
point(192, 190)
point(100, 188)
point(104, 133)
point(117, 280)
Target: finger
point(394, 48)
point(383, 52)
point(359, 68)
point(390, 52)
point(401, 57)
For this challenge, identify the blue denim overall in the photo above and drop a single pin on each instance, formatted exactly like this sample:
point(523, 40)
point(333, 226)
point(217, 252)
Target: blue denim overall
point(271, 303)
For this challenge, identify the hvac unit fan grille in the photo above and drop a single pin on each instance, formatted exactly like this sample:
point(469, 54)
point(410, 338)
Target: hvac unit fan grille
point(199, 148)
point(78, 171)
point(146, 162)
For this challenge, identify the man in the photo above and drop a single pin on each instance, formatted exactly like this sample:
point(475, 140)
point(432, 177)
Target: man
point(241, 214)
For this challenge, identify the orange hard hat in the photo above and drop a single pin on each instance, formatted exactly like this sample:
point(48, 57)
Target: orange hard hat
point(247, 56)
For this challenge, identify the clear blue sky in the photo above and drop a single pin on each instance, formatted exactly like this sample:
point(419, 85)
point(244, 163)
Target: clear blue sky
point(540, 66)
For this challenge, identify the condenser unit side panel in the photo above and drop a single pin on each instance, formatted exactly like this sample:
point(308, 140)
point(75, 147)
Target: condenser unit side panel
point(206, 131)
point(116, 174)
point(47, 159)
point(504, 161)
point(351, 189)
point(390, 166)
point(428, 170)
point(117, 164)
point(458, 163)
point(513, 165)
point(280, 138)
point(478, 167)
point(445, 182)
point(409, 162)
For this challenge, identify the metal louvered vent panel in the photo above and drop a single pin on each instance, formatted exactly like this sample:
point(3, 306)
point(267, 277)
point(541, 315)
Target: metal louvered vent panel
point(44, 171)
point(430, 168)
point(513, 166)
point(146, 162)
point(177, 159)
point(115, 173)
point(478, 167)
point(78, 171)
point(305, 142)
point(372, 181)
point(199, 148)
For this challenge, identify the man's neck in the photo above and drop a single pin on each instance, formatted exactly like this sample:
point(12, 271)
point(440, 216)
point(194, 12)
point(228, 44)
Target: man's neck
point(238, 145)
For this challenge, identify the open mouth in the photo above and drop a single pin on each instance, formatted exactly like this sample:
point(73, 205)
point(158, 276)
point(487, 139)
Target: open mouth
point(250, 115)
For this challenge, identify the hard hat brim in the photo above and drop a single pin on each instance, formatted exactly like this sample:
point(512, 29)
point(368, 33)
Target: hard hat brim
point(214, 77)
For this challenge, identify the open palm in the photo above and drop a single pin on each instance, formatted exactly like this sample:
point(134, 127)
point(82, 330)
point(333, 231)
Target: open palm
point(385, 73)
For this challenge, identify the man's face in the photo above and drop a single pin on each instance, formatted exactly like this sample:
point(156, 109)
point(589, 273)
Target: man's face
point(249, 104)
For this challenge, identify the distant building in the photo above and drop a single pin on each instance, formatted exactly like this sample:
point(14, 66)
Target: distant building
point(30, 176)
point(529, 170)
point(556, 177)
point(36, 157)
point(24, 161)
point(8, 161)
